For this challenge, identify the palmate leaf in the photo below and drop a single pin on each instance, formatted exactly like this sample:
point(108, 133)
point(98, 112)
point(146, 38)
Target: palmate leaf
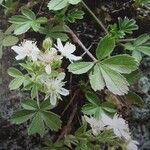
point(127, 25)
point(73, 15)
point(40, 117)
point(140, 45)
point(124, 26)
point(108, 73)
point(55, 32)
point(26, 21)
point(96, 107)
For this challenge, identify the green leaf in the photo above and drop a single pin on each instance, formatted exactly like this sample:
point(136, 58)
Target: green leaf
point(90, 109)
point(139, 45)
point(121, 63)
point(96, 79)
point(114, 81)
point(16, 83)
point(45, 105)
point(133, 76)
point(80, 67)
point(96, 107)
point(57, 4)
point(28, 13)
point(137, 56)
point(109, 107)
point(20, 29)
point(129, 46)
point(73, 15)
point(10, 40)
point(144, 49)
point(37, 125)
point(81, 130)
point(141, 39)
point(55, 32)
point(60, 4)
point(26, 21)
point(22, 116)
point(34, 91)
point(92, 98)
point(127, 25)
point(105, 47)
point(14, 72)
point(74, 2)
point(29, 104)
point(51, 120)
point(135, 99)
point(19, 20)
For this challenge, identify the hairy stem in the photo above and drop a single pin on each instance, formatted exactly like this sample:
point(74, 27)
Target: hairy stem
point(94, 16)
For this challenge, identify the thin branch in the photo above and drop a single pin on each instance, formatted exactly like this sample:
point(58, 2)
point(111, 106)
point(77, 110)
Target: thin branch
point(94, 16)
point(70, 102)
point(67, 127)
point(77, 40)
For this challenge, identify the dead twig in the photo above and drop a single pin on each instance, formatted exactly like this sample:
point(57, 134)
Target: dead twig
point(77, 40)
point(67, 127)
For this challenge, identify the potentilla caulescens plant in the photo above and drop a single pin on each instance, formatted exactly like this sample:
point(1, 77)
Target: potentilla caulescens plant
point(41, 73)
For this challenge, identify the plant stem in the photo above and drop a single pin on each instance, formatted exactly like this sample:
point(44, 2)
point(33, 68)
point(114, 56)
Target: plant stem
point(94, 16)
point(77, 40)
point(127, 40)
point(4, 6)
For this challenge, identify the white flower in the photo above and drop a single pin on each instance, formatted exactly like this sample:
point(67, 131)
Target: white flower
point(48, 57)
point(96, 124)
point(26, 49)
point(67, 50)
point(132, 145)
point(54, 88)
point(118, 124)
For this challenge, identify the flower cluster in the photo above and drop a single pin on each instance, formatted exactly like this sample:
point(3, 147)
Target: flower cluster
point(53, 86)
point(118, 124)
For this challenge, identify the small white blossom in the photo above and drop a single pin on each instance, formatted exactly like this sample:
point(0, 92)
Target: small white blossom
point(54, 88)
point(118, 124)
point(48, 57)
point(132, 145)
point(67, 50)
point(27, 49)
point(96, 124)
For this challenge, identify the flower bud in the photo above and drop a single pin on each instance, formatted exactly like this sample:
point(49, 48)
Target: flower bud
point(47, 43)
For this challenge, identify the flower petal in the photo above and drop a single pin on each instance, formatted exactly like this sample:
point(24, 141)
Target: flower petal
point(61, 76)
point(53, 99)
point(59, 45)
point(64, 91)
point(48, 69)
point(72, 57)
